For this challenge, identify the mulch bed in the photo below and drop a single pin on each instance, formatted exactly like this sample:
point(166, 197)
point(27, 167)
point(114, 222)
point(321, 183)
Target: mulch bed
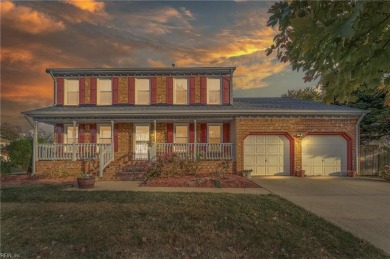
point(202, 181)
point(25, 179)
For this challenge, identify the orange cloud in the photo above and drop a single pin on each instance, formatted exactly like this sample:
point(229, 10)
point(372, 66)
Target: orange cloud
point(156, 63)
point(28, 20)
point(16, 55)
point(87, 5)
point(25, 93)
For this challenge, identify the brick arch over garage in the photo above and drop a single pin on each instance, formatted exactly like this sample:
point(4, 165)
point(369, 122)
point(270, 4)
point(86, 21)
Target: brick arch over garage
point(285, 134)
point(343, 135)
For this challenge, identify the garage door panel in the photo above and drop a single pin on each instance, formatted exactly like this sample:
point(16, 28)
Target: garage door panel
point(324, 155)
point(272, 155)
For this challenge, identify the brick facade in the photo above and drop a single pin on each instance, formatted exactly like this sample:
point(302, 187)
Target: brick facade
point(291, 127)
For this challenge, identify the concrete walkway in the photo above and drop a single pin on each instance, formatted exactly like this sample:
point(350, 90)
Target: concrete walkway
point(134, 187)
point(358, 205)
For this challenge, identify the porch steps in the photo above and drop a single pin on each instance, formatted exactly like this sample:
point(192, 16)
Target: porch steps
point(125, 170)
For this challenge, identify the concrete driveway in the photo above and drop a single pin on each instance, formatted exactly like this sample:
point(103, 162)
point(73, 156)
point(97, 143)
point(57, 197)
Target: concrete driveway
point(358, 205)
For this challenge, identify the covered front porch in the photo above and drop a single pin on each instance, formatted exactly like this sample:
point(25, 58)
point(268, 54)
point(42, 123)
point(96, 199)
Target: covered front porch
point(139, 140)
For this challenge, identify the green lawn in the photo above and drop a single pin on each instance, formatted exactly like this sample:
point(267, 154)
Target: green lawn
point(50, 222)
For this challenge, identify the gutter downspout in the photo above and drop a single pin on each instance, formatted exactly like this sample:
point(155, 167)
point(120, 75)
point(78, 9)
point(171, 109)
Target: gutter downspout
point(357, 133)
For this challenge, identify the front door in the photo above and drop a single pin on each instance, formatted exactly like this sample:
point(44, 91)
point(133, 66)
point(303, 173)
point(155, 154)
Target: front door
point(141, 143)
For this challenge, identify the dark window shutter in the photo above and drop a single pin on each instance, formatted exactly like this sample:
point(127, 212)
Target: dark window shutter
point(226, 132)
point(60, 133)
point(192, 90)
point(203, 133)
point(226, 90)
point(93, 90)
point(131, 84)
point(60, 91)
point(82, 133)
point(192, 134)
point(169, 90)
point(203, 90)
point(92, 135)
point(82, 90)
point(169, 133)
point(116, 137)
point(153, 82)
point(115, 94)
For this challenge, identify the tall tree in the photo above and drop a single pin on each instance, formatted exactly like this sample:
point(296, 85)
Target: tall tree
point(344, 43)
point(309, 93)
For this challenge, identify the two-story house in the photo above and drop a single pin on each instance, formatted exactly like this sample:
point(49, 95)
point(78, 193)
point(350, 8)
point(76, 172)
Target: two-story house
point(133, 114)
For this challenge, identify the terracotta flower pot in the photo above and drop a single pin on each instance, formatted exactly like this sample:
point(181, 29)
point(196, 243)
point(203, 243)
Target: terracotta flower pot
point(351, 173)
point(86, 182)
point(300, 173)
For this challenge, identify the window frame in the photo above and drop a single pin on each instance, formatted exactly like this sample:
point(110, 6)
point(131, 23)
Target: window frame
point(98, 133)
point(188, 132)
point(208, 91)
point(136, 90)
point(98, 91)
point(66, 86)
point(66, 127)
point(175, 90)
point(220, 132)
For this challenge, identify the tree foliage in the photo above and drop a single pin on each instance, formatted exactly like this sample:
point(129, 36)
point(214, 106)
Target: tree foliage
point(10, 131)
point(346, 44)
point(309, 93)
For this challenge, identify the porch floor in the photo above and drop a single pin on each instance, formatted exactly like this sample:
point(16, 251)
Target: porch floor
point(134, 187)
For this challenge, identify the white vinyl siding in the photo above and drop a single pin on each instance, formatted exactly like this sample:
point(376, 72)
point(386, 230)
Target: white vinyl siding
point(213, 91)
point(142, 91)
point(180, 91)
point(71, 96)
point(104, 93)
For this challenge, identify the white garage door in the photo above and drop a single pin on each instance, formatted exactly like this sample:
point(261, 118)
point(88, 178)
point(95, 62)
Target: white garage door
point(267, 154)
point(324, 155)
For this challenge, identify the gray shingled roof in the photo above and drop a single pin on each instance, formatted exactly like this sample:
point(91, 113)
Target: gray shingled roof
point(240, 107)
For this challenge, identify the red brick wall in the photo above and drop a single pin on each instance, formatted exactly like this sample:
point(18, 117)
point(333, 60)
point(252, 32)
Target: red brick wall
point(292, 126)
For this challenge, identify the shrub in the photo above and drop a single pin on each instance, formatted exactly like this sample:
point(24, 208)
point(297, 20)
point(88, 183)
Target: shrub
point(5, 166)
point(20, 153)
point(171, 164)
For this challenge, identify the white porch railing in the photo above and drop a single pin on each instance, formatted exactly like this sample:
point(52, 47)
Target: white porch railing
point(83, 151)
point(106, 156)
point(202, 151)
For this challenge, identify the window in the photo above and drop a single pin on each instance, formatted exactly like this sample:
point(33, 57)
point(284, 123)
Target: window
point(214, 133)
point(104, 136)
point(180, 91)
point(70, 133)
point(213, 91)
point(71, 96)
point(181, 134)
point(142, 134)
point(104, 93)
point(142, 91)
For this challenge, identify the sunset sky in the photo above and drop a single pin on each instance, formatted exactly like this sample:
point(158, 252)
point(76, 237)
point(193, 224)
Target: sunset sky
point(42, 34)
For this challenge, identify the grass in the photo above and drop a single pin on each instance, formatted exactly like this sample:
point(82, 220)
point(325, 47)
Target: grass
point(47, 221)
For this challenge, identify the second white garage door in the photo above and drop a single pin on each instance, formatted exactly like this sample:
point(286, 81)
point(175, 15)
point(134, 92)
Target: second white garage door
point(324, 155)
point(267, 154)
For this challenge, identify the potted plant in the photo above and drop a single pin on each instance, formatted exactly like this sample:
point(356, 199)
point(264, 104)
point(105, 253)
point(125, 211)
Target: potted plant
point(300, 173)
point(247, 173)
point(351, 173)
point(385, 173)
point(86, 180)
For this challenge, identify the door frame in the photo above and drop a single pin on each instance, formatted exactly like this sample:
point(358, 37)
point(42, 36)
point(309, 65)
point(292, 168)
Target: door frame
point(287, 135)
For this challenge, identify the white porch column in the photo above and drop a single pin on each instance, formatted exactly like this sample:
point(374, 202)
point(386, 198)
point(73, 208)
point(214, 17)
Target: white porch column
point(112, 138)
point(195, 145)
point(74, 142)
point(35, 148)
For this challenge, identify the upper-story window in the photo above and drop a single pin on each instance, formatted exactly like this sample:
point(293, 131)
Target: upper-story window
point(71, 96)
point(213, 91)
point(180, 91)
point(142, 91)
point(104, 92)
